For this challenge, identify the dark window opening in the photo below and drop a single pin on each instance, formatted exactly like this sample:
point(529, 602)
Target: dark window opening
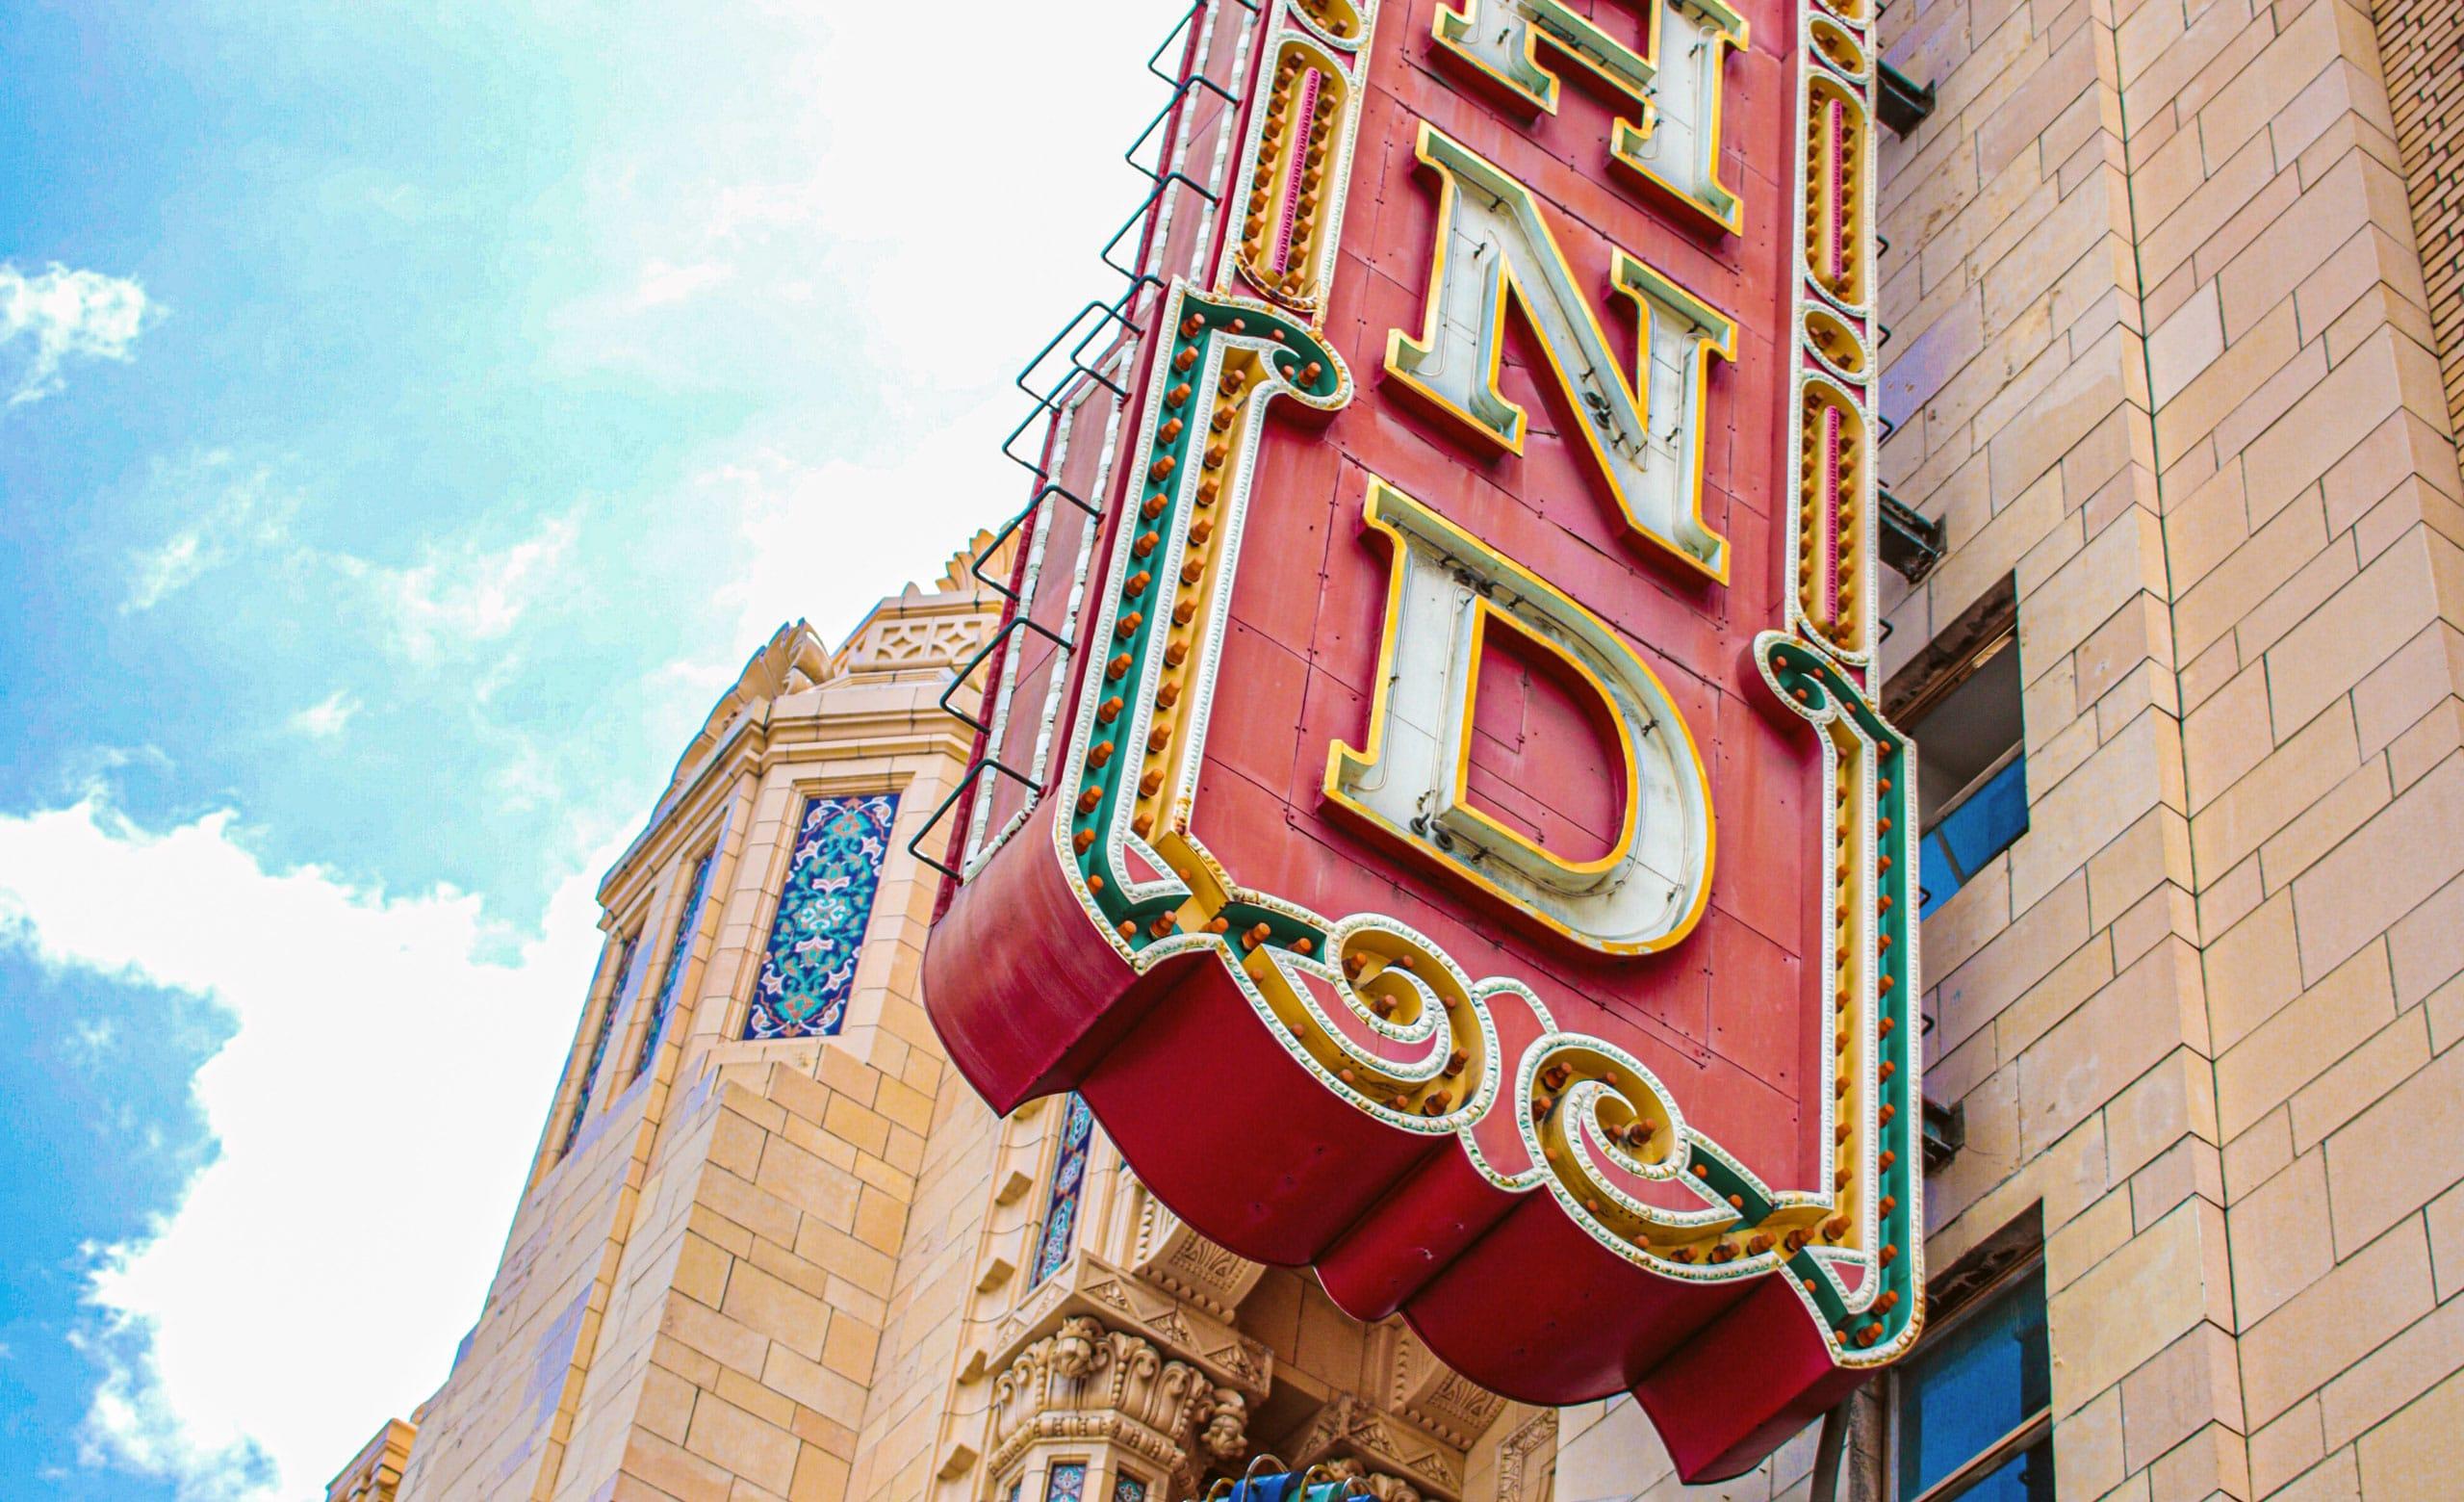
point(1960, 701)
point(1971, 1410)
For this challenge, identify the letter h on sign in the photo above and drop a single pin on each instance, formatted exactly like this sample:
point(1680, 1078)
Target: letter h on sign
point(1452, 740)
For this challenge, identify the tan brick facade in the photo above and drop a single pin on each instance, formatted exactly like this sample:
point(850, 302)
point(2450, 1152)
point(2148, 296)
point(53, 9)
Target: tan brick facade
point(2166, 357)
point(2167, 361)
point(694, 1298)
point(375, 1473)
point(808, 1268)
point(2421, 45)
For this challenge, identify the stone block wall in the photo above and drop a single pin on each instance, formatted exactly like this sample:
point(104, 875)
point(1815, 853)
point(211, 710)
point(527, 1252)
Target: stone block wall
point(753, 1332)
point(706, 1296)
point(2166, 357)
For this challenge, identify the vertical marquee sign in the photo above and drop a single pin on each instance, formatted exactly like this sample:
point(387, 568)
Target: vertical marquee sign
point(1437, 815)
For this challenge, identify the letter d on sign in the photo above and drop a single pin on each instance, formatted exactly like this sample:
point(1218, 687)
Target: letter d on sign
point(1451, 601)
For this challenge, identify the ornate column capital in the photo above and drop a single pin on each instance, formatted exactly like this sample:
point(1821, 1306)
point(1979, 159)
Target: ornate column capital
point(1086, 1382)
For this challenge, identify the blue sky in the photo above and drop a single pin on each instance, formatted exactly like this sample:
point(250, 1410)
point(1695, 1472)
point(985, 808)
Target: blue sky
point(410, 416)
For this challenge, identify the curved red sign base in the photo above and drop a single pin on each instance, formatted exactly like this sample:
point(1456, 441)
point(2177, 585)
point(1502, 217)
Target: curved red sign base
point(1235, 1137)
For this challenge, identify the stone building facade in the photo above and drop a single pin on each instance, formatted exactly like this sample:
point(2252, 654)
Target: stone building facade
point(773, 1247)
point(2176, 372)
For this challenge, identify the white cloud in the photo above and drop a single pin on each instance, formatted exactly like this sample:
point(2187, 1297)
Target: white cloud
point(662, 284)
point(326, 718)
point(231, 509)
point(62, 314)
point(463, 595)
point(838, 271)
point(825, 541)
point(391, 1062)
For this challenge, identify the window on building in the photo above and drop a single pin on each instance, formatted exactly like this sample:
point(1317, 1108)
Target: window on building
point(1127, 1488)
point(819, 932)
point(1960, 702)
point(1069, 1179)
point(1972, 1406)
point(620, 991)
point(1067, 1482)
point(688, 922)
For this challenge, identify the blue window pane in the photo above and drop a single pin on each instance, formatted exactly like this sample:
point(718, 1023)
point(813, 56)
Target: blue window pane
point(617, 997)
point(1069, 1178)
point(688, 922)
point(1935, 879)
point(819, 932)
point(1993, 816)
point(1961, 1393)
point(2026, 1477)
point(1960, 845)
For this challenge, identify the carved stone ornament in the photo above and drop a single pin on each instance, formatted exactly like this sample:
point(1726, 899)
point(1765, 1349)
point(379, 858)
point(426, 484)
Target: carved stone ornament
point(1382, 1486)
point(1087, 1286)
point(1180, 1262)
point(1434, 1395)
point(1086, 1382)
point(1073, 1347)
point(1526, 1458)
point(1346, 1429)
point(1225, 1433)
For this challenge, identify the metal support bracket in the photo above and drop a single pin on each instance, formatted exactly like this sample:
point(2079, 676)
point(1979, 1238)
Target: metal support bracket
point(942, 810)
point(967, 669)
point(1946, 1134)
point(1905, 104)
point(1912, 542)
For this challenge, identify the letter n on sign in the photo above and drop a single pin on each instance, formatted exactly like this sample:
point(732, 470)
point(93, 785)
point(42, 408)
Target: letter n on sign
point(1430, 803)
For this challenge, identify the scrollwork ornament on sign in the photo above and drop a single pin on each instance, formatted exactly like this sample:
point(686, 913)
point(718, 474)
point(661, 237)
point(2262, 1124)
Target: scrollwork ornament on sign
point(1332, 980)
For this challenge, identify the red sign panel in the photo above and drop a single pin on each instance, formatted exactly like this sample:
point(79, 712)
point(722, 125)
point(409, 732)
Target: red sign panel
point(1429, 803)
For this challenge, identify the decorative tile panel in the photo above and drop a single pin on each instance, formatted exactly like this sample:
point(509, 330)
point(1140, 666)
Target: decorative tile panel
point(687, 923)
point(1068, 1483)
point(819, 932)
point(1129, 1488)
point(1069, 1178)
point(620, 994)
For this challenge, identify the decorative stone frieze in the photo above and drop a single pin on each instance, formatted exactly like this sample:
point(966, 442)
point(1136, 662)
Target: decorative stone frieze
point(1432, 1394)
point(1377, 1484)
point(1526, 1459)
point(1181, 1263)
point(1086, 1382)
point(1346, 1429)
point(1089, 1285)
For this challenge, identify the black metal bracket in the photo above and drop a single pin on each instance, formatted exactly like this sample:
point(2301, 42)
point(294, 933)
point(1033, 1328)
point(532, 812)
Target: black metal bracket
point(1153, 198)
point(1179, 26)
point(941, 811)
point(1048, 403)
point(1912, 542)
point(1170, 36)
point(1946, 1134)
point(1904, 105)
point(1010, 527)
point(966, 670)
point(975, 565)
point(1112, 313)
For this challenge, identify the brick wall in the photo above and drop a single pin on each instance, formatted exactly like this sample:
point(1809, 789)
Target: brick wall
point(2421, 45)
point(2163, 355)
point(2169, 361)
point(707, 1295)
